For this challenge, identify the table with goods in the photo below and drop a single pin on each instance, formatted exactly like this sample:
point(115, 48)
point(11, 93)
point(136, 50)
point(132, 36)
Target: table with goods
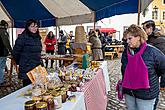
point(67, 88)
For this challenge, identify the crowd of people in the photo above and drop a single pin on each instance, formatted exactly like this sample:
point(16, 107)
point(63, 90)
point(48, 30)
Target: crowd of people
point(143, 60)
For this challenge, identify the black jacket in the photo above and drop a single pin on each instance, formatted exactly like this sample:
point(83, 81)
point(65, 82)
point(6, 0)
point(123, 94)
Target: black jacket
point(62, 45)
point(155, 62)
point(27, 53)
point(5, 46)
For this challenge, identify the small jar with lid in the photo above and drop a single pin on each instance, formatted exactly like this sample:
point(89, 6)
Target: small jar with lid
point(50, 101)
point(57, 89)
point(30, 105)
point(65, 90)
point(37, 99)
point(57, 100)
point(67, 77)
point(42, 106)
point(63, 96)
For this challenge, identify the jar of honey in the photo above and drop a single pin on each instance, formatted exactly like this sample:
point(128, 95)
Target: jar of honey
point(50, 101)
point(51, 105)
point(57, 100)
point(37, 98)
point(63, 96)
point(67, 77)
point(30, 105)
point(42, 106)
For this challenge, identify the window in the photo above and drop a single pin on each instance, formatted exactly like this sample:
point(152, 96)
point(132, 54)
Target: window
point(163, 15)
point(155, 15)
point(163, 1)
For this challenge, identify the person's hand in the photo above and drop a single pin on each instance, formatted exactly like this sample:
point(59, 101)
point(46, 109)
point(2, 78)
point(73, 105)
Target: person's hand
point(49, 43)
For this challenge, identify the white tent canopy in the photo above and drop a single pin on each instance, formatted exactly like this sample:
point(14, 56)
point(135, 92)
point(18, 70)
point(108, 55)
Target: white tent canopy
point(66, 12)
point(69, 12)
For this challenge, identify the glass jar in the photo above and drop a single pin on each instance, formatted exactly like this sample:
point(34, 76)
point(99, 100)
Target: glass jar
point(57, 100)
point(51, 105)
point(37, 99)
point(30, 105)
point(63, 96)
point(42, 106)
point(50, 101)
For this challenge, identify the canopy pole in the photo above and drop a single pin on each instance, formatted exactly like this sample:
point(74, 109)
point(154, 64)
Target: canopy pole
point(139, 9)
point(11, 19)
point(12, 33)
point(94, 21)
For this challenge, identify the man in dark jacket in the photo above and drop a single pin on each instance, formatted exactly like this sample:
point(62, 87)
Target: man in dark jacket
point(5, 48)
point(61, 45)
point(156, 39)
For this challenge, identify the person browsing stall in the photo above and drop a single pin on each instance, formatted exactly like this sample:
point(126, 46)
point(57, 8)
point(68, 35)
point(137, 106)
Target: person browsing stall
point(27, 50)
point(141, 64)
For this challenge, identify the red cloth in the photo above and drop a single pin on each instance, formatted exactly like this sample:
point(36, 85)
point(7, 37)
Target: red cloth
point(95, 92)
point(50, 43)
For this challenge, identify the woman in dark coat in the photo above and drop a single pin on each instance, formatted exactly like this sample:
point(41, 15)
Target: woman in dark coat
point(27, 50)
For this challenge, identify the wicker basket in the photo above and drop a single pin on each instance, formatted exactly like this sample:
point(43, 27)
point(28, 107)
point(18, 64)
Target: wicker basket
point(80, 36)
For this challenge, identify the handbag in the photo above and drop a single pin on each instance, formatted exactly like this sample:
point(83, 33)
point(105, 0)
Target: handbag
point(119, 90)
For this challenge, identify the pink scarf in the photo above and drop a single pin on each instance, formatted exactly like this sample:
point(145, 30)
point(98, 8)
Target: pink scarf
point(136, 73)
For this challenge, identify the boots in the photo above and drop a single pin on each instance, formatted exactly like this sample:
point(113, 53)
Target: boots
point(52, 63)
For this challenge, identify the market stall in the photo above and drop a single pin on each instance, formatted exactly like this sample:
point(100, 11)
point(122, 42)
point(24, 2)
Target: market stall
point(85, 99)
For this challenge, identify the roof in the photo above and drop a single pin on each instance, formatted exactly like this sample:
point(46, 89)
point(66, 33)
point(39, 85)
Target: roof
point(65, 12)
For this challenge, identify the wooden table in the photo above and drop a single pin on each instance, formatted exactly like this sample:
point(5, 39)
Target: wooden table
point(117, 49)
point(67, 59)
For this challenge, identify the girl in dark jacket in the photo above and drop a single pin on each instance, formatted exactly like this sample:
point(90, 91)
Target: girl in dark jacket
point(141, 64)
point(50, 41)
point(27, 50)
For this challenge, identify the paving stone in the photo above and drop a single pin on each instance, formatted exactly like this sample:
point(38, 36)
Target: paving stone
point(115, 75)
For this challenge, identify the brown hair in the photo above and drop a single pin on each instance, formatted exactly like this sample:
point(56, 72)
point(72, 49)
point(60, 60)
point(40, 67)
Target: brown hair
point(136, 30)
point(125, 34)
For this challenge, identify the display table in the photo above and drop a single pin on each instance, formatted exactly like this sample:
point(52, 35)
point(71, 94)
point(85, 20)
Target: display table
point(93, 95)
point(14, 102)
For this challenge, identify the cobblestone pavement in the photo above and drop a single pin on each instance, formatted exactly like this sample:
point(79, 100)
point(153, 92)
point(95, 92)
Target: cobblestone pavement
point(113, 102)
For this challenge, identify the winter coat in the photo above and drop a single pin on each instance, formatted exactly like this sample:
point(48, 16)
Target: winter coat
point(62, 45)
point(5, 46)
point(47, 43)
point(27, 53)
point(158, 40)
point(160, 43)
point(103, 41)
point(96, 48)
point(155, 62)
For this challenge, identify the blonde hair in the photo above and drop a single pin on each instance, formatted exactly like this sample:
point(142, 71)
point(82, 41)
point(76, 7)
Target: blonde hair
point(136, 30)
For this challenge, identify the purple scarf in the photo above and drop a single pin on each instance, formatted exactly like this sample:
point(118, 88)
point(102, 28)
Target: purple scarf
point(136, 73)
